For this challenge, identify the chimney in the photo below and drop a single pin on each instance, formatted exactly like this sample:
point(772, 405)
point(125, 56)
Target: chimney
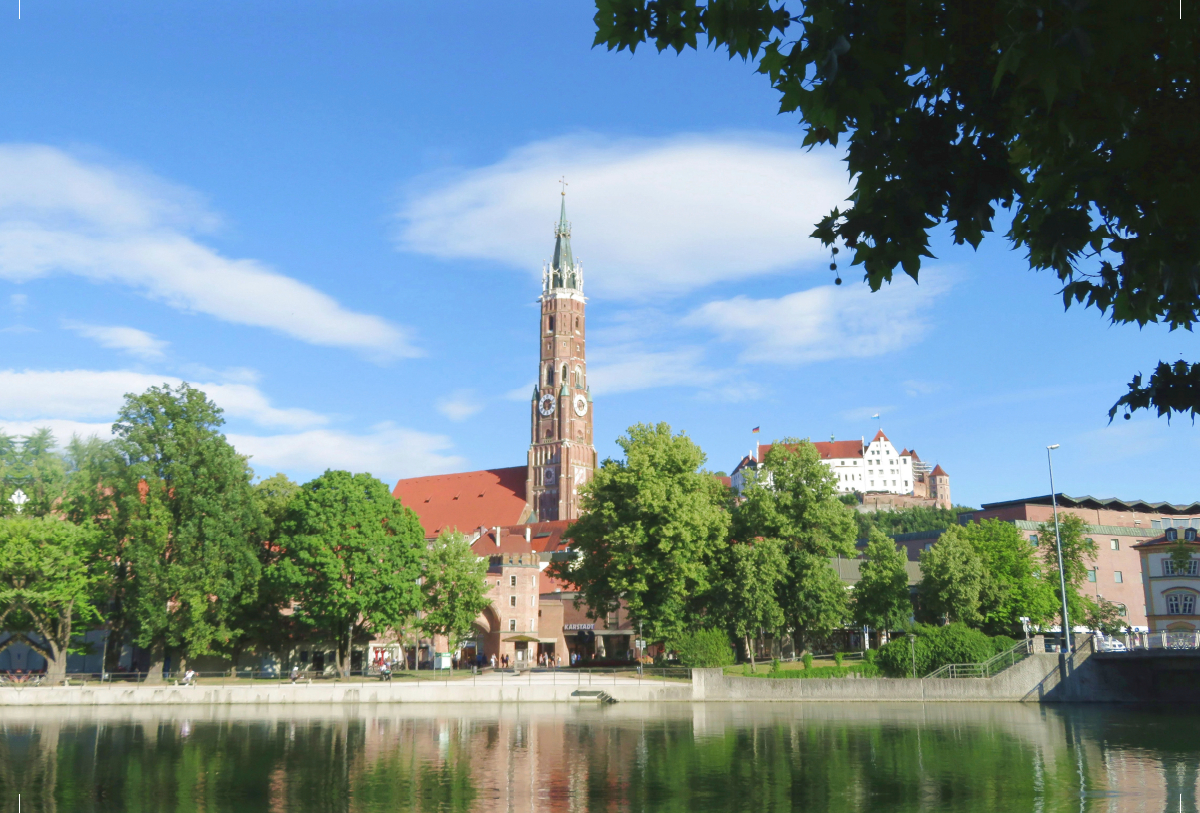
point(528, 534)
point(497, 536)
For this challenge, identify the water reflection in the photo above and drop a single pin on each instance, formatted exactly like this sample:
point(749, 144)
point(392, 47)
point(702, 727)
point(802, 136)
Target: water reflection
point(627, 757)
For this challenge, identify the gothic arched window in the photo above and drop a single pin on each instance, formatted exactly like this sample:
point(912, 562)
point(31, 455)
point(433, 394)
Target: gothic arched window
point(549, 375)
point(566, 374)
point(579, 377)
point(549, 324)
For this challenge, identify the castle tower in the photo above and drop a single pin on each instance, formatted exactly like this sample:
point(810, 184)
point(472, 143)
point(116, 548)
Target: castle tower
point(561, 452)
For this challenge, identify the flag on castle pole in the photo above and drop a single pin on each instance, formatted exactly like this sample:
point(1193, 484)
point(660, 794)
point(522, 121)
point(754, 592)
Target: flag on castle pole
point(754, 431)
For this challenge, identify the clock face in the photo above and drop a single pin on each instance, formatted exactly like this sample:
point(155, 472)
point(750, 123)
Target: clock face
point(580, 404)
point(548, 479)
point(546, 405)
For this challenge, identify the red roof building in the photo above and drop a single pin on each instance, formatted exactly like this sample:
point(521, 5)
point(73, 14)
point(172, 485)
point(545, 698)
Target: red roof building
point(467, 500)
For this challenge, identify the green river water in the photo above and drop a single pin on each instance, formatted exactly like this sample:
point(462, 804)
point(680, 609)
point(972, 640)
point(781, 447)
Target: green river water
point(981, 758)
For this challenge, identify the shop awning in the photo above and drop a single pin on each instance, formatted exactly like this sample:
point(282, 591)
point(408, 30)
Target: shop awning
point(528, 639)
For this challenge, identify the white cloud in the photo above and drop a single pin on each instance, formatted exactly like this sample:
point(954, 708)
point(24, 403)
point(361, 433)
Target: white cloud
point(128, 339)
point(651, 216)
point(18, 301)
point(459, 405)
point(60, 214)
point(388, 452)
point(630, 367)
point(827, 322)
point(98, 394)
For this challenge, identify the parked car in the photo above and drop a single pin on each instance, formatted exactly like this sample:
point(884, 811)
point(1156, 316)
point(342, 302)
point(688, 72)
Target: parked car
point(1110, 645)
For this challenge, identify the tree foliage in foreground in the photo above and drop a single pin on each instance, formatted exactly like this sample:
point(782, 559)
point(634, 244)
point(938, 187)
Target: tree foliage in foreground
point(183, 528)
point(454, 588)
point(1078, 552)
point(881, 597)
point(652, 526)
point(703, 648)
point(952, 578)
point(1082, 119)
point(49, 583)
point(352, 558)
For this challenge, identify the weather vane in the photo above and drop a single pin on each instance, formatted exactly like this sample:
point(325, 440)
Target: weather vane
point(563, 181)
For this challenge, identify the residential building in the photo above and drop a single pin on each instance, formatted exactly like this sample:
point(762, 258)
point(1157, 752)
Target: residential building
point(1116, 526)
point(1170, 585)
point(870, 469)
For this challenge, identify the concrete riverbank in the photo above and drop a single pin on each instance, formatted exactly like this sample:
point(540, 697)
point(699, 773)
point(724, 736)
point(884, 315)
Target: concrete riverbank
point(1039, 678)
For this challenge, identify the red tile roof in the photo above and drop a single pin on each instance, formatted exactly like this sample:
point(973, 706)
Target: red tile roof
point(880, 436)
point(938, 471)
point(465, 501)
point(829, 450)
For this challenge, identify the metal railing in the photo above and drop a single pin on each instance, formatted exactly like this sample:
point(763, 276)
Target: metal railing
point(989, 668)
point(1132, 642)
point(576, 676)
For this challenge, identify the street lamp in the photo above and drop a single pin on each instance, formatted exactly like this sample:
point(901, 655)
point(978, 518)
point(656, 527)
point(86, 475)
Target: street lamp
point(912, 648)
point(1062, 579)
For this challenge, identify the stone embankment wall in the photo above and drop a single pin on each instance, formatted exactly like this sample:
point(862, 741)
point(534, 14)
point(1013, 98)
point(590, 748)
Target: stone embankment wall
point(1086, 677)
point(260, 693)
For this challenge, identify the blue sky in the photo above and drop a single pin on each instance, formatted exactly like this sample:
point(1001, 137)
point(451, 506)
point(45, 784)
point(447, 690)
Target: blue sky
point(333, 217)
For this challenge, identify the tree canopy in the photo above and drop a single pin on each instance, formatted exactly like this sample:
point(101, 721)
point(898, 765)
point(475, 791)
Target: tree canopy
point(881, 597)
point(653, 524)
point(454, 588)
point(352, 557)
point(1081, 119)
point(951, 580)
point(183, 523)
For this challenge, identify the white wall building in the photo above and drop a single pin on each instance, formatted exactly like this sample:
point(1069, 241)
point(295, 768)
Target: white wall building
point(1172, 589)
point(875, 467)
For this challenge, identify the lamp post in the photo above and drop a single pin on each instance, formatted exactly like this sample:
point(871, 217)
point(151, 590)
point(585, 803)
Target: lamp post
point(912, 648)
point(1062, 578)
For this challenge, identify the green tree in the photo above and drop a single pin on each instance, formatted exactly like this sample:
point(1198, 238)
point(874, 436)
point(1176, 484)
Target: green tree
point(794, 496)
point(951, 579)
point(48, 585)
point(814, 598)
point(454, 588)
point(1013, 584)
point(908, 520)
point(752, 577)
point(352, 558)
point(881, 597)
point(262, 624)
point(651, 527)
point(1081, 119)
point(1078, 553)
point(182, 524)
point(32, 464)
point(703, 648)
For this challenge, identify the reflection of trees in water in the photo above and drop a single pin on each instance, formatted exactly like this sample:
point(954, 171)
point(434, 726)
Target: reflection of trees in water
point(715, 758)
point(29, 767)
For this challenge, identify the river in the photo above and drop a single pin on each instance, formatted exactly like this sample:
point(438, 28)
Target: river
point(690, 758)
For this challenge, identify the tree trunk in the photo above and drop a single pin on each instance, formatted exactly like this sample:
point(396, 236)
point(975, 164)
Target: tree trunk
point(158, 662)
point(56, 663)
point(750, 652)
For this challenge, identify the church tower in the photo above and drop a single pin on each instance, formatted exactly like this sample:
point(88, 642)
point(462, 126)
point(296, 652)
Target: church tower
point(561, 452)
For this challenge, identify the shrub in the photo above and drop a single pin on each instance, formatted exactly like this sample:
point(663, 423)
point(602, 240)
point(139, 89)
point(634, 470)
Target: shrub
point(935, 647)
point(869, 656)
point(837, 658)
point(807, 660)
point(703, 648)
point(775, 665)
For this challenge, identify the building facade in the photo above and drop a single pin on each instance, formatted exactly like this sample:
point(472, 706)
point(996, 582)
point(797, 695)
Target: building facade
point(1171, 586)
point(1117, 527)
point(867, 468)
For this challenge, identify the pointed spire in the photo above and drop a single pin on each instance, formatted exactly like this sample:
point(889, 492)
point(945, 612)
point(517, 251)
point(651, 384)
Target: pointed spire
point(563, 272)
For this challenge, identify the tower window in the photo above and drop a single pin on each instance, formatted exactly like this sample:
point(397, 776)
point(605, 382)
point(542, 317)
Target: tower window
point(579, 377)
point(549, 324)
point(549, 375)
point(565, 374)
point(577, 323)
